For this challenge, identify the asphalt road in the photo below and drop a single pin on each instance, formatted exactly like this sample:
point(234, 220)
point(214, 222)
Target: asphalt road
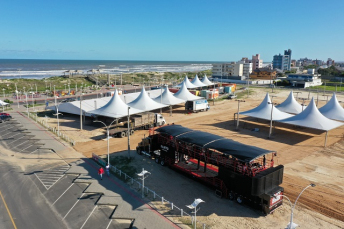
point(22, 205)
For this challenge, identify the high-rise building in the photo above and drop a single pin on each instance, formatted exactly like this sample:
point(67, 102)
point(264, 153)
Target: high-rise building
point(330, 62)
point(256, 62)
point(247, 68)
point(282, 62)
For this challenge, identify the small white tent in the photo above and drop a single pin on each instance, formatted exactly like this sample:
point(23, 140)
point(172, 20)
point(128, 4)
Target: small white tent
point(145, 103)
point(187, 83)
point(332, 109)
point(312, 118)
point(3, 104)
point(185, 95)
point(115, 108)
point(197, 82)
point(263, 111)
point(206, 81)
point(290, 105)
point(167, 98)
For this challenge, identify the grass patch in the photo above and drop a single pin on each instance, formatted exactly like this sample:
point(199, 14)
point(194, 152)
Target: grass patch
point(328, 88)
point(36, 105)
point(124, 164)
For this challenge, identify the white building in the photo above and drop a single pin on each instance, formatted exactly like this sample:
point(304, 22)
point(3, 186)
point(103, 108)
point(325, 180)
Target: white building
point(247, 68)
point(228, 69)
point(305, 80)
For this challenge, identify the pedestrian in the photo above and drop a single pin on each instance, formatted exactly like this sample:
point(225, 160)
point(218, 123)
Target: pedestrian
point(264, 161)
point(107, 168)
point(101, 172)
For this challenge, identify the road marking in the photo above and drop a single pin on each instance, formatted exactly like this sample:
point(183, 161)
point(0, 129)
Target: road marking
point(16, 139)
point(88, 216)
point(109, 224)
point(20, 144)
point(63, 193)
point(50, 177)
point(11, 133)
point(73, 206)
point(8, 211)
point(26, 148)
point(33, 151)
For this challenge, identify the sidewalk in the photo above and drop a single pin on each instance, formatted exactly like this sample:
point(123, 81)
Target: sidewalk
point(116, 193)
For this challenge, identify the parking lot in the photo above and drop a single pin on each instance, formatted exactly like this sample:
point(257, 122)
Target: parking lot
point(15, 137)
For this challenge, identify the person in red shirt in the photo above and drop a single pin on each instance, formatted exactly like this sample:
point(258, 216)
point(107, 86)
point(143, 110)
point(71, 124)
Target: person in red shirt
point(101, 172)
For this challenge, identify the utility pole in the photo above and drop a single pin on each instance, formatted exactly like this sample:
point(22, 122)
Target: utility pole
point(80, 111)
point(128, 133)
point(272, 108)
point(297, 94)
point(237, 124)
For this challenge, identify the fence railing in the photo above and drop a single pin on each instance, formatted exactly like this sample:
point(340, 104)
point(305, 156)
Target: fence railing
point(54, 130)
point(148, 193)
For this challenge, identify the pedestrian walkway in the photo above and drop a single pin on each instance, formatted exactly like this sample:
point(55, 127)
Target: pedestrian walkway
point(116, 193)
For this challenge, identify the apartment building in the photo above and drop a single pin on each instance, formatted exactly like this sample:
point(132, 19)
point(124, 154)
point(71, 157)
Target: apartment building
point(227, 69)
point(282, 62)
point(256, 62)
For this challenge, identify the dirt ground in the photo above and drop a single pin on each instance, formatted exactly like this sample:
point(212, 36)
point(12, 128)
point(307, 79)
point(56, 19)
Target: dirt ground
point(300, 150)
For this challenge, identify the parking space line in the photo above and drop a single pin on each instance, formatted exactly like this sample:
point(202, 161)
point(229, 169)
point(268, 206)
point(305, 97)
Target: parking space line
point(20, 144)
point(8, 133)
point(88, 217)
point(56, 181)
point(16, 140)
point(63, 193)
point(73, 206)
point(26, 148)
point(14, 135)
point(109, 224)
point(33, 151)
point(41, 181)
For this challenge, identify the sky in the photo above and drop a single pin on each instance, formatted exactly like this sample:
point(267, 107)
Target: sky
point(175, 30)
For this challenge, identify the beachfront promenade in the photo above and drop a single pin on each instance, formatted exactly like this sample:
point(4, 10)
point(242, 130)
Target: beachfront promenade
point(78, 198)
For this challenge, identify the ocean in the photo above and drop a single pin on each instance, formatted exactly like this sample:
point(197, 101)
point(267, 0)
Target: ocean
point(39, 69)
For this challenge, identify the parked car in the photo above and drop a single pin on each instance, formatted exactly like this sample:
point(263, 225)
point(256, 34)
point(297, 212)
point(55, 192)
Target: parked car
point(4, 118)
point(68, 100)
point(232, 96)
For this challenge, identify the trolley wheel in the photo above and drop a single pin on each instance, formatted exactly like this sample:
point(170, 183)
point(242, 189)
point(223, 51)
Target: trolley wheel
point(138, 151)
point(231, 196)
point(131, 132)
point(162, 162)
point(157, 160)
point(123, 134)
point(239, 199)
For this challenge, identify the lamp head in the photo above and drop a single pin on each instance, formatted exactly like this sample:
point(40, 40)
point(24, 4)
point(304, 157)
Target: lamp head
point(313, 185)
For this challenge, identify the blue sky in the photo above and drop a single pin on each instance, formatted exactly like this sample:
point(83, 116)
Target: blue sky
point(183, 30)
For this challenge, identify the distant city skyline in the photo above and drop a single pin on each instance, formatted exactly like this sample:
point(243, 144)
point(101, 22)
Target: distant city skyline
point(171, 31)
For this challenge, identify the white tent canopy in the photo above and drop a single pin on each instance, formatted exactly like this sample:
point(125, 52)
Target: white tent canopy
point(87, 105)
point(312, 118)
point(185, 95)
point(206, 81)
point(332, 109)
point(2, 103)
point(145, 103)
point(167, 98)
point(197, 82)
point(187, 83)
point(263, 111)
point(290, 105)
point(115, 108)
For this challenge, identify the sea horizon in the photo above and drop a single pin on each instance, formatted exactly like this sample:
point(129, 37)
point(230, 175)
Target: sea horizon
point(44, 68)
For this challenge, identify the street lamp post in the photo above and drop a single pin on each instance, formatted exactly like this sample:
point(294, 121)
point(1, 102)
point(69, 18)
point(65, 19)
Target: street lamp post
point(194, 206)
point(17, 94)
point(303, 103)
point(128, 132)
point(80, 110)
point(3, 90)
point(142, 175)
point(292, 225)
point(57, 116)
point(297, 94)
point(108, 137)
point(272, 108)
point(54, 91)
point(237, 125)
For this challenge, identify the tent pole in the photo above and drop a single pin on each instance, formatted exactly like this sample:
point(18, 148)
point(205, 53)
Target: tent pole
point(326, 138)
point(170, 110)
